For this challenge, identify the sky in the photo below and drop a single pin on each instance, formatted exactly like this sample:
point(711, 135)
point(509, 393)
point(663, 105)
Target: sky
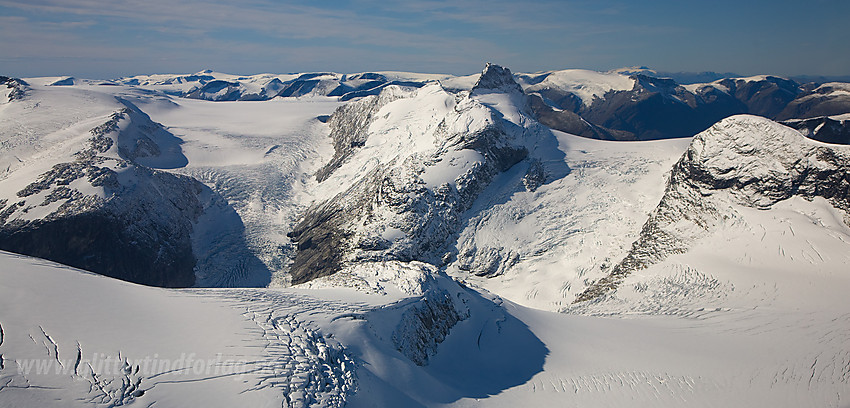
point(109, 39)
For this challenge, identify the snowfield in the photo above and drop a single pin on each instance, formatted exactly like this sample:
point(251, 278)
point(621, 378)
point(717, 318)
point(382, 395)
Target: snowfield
point(728, 340)
point(587, 85)
point(747, 307)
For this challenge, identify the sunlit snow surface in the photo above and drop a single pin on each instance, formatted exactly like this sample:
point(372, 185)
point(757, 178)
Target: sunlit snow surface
point(754, 314)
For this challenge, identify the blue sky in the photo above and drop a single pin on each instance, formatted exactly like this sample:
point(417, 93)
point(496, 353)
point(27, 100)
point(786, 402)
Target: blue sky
point(105, 39)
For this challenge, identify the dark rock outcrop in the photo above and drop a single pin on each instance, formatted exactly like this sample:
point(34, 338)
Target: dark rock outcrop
point(496, 78)
point(657, 109)
point(117, 238)
point(17, 86)
point(573, 123)
point(349, 127)
point(67, 81)
point(425, 325)
point(321, 243)
point(765, 97)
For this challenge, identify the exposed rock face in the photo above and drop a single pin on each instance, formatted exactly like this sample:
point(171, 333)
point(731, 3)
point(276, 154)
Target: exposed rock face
point(496, 78)
point(571, 122)
point(488, 261)
point(322, 241)
point(433, 303)
point(93, 235)
point(105, 212)
point(350, 125)
point(406, 202)
point(745, 160)
point(67, 81)
point(425, 325)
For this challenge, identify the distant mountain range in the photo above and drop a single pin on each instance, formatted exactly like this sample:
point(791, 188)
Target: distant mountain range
point(624, 104)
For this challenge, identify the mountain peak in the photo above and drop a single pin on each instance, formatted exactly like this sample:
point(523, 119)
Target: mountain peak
point(496, 77)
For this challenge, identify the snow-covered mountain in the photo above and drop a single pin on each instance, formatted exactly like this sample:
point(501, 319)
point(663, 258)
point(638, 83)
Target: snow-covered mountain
point(408, 165)
point(423, 240)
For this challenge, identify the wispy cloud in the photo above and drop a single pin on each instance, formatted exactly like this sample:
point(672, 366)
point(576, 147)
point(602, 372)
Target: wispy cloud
point(435, 35)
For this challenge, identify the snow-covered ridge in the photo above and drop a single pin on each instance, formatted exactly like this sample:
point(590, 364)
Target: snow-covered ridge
point(744, 160)
point(88, 184)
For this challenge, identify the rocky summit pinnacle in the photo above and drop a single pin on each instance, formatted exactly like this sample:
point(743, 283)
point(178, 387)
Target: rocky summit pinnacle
point(495, 77)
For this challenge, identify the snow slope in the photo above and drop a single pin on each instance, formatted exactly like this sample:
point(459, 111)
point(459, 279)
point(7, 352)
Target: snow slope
point(77, 339)
point(768, 342)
